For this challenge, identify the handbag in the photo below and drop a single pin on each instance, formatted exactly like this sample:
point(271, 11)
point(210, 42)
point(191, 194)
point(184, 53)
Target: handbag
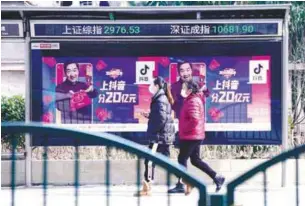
point(170, 139)
point(79, 100)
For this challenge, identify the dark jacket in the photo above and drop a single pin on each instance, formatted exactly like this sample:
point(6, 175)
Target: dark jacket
point(82, 115)
point(192, 118)
point(161, 126)
point(178, 99)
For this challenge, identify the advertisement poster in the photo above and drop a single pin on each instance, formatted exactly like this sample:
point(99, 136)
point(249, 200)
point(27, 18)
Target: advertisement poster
point(110, 93)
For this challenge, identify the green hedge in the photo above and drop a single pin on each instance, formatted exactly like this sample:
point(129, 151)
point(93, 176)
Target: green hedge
point(12, 109)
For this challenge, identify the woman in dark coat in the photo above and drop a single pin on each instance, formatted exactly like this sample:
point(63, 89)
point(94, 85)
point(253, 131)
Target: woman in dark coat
point(161, 128)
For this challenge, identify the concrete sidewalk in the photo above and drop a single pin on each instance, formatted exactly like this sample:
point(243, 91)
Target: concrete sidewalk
point(123, 196)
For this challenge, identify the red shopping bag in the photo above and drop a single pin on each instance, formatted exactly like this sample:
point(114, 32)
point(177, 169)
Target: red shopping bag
point(79, 100)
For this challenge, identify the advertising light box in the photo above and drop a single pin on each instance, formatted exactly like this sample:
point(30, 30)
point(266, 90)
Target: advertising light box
point(103, 87)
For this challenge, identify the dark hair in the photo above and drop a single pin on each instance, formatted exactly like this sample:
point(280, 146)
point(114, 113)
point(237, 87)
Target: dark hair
point(67, 63)
point(180, 63)
point(193, 86)
point(163, 85)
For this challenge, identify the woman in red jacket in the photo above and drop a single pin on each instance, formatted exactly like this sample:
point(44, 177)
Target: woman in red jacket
point(192, 132)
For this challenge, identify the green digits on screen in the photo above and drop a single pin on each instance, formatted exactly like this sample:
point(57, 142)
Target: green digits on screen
point(119, 29)
point(247, 29)
point(134, 29)
point(233, 29)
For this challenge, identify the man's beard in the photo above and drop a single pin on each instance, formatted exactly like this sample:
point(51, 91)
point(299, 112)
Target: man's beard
point(187, 79)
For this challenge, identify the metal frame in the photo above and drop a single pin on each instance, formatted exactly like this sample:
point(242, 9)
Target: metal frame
point(135, 127)
point(190, 21)
point(194, 21)
point(197, 39)
point(20, 24)
point(145, 9)
point(285, 92)
point(28, 109)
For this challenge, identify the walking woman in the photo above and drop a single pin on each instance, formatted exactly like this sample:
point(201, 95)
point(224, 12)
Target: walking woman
point(192, 132)
point(161, 128)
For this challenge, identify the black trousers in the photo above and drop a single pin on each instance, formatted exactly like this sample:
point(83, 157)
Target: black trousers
point(149, 173)
point(191, 149)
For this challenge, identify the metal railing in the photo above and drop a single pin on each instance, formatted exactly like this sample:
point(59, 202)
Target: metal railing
point(110, 140)
point(262, 168)
point(105, 139)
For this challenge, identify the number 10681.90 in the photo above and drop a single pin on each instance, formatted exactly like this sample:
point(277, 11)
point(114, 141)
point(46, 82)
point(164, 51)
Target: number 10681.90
point(233, 29)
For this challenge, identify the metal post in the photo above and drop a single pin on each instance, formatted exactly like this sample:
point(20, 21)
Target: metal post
point(299, 91)
point(218, 200)
point(285, 84)
point(28, 150)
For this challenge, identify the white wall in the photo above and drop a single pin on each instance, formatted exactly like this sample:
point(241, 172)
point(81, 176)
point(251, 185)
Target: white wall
point(12, 51)
point(12, 83)
point(12, 67)
point(61, 172)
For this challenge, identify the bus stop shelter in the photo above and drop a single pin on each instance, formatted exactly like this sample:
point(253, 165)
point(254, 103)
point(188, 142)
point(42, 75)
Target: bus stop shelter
point(210, 34)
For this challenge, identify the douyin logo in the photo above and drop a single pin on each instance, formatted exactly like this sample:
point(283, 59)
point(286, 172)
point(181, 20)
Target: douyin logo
point(144, 70)
point(257, 70)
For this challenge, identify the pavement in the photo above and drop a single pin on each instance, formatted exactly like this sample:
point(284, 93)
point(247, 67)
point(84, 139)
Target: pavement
point(123, 195)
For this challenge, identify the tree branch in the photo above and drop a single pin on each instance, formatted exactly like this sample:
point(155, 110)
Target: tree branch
point(301, 120)
point(297, 111)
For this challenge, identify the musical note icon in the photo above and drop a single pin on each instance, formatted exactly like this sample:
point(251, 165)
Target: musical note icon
point(258, 69)
point(144, 70)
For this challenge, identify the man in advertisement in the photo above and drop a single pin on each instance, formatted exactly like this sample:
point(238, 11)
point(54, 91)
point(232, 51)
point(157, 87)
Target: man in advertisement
point(185, 74)
point(73, 98)
point(185, 70)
